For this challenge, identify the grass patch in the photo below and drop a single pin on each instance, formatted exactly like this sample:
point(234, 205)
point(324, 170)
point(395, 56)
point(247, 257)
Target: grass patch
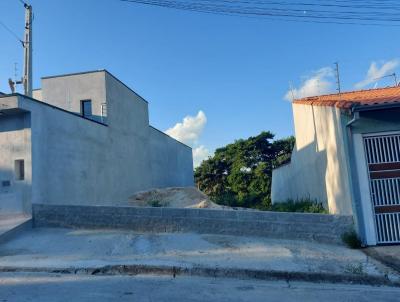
point(301, 206)
point(352, 240)
point(355, 269)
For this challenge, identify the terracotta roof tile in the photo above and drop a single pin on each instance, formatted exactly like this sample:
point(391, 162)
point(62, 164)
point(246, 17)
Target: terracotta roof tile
point(347, 100)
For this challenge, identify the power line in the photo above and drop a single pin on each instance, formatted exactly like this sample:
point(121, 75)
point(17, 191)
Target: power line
point(336, 12)
point(259, 10)
point(22, 2)
point(11, 32)
point(338, 4)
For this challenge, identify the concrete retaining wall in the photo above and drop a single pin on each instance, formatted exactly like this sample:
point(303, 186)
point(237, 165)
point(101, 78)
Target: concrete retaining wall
point(318, 227)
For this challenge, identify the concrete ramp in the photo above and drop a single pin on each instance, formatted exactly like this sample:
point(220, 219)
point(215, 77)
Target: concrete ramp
point(12, 224)
point(299, 226)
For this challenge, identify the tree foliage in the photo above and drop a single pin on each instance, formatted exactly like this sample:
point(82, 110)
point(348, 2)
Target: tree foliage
point(240, 174)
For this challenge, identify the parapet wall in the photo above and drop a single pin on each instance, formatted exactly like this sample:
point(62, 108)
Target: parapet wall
point(302, 226)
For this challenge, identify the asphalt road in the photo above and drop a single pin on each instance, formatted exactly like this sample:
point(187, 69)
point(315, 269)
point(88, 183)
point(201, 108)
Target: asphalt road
point(43, 287)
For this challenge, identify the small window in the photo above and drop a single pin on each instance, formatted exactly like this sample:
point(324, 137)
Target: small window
point(86, 108)
point(19, 167)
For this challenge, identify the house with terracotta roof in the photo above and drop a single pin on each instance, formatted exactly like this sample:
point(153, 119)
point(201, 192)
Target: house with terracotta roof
point(347, 156)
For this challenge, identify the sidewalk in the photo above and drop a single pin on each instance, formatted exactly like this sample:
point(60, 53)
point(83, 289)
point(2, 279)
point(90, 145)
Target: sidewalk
point(389, 255)
point(8, 222)
point(124, 252)
point(10, 225)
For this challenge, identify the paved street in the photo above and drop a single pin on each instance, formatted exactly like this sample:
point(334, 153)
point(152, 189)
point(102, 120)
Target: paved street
point(21, 287)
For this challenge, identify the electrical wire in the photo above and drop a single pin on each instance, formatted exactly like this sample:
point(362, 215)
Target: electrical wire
point(11, 32)
point(378, 13)
point(263, 10)
point(23, 3)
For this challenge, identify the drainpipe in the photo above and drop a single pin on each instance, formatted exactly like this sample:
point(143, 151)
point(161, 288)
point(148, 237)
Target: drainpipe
point(356, 116)
point(354, 182)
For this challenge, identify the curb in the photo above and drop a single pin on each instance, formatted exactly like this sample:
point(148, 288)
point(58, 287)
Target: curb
point(213, 272)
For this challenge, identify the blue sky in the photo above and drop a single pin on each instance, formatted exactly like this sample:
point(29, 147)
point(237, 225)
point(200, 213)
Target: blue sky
point(235, 70)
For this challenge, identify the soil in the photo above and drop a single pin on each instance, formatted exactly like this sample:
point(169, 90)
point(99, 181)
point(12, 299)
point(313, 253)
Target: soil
point(188, 197)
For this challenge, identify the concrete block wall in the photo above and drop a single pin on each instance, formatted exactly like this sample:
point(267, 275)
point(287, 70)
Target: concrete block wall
point(301, 226)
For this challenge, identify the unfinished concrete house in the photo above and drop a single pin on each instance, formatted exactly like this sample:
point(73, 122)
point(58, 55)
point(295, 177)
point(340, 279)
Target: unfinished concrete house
point(83, 138)
point(347, 156)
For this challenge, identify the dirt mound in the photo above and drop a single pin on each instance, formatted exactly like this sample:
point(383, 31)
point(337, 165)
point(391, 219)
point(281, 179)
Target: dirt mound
point(188, 197)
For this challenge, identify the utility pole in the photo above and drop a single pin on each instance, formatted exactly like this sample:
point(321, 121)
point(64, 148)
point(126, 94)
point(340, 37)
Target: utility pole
point(27, 78)
point(337, 77)
point(291, 90)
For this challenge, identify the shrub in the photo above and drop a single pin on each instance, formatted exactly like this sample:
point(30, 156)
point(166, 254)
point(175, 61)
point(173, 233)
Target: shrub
point(155, 203)
point(351, 239)
point(301, 205)
point(226, 199)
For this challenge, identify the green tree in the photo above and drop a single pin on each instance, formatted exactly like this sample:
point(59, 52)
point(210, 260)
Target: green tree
point(239, 174)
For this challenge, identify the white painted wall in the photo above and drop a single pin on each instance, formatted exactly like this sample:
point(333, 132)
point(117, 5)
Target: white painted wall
point(318, 167)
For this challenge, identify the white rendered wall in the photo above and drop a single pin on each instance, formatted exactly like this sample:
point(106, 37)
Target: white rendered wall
point(318, 168)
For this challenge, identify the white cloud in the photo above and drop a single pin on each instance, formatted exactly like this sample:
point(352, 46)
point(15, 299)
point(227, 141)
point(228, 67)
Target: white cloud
point(199, 154)
point(376, 71)
point(320, 82)
point(189, 131)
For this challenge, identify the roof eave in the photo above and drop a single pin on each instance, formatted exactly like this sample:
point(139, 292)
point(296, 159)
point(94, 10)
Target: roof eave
point(360, 108)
